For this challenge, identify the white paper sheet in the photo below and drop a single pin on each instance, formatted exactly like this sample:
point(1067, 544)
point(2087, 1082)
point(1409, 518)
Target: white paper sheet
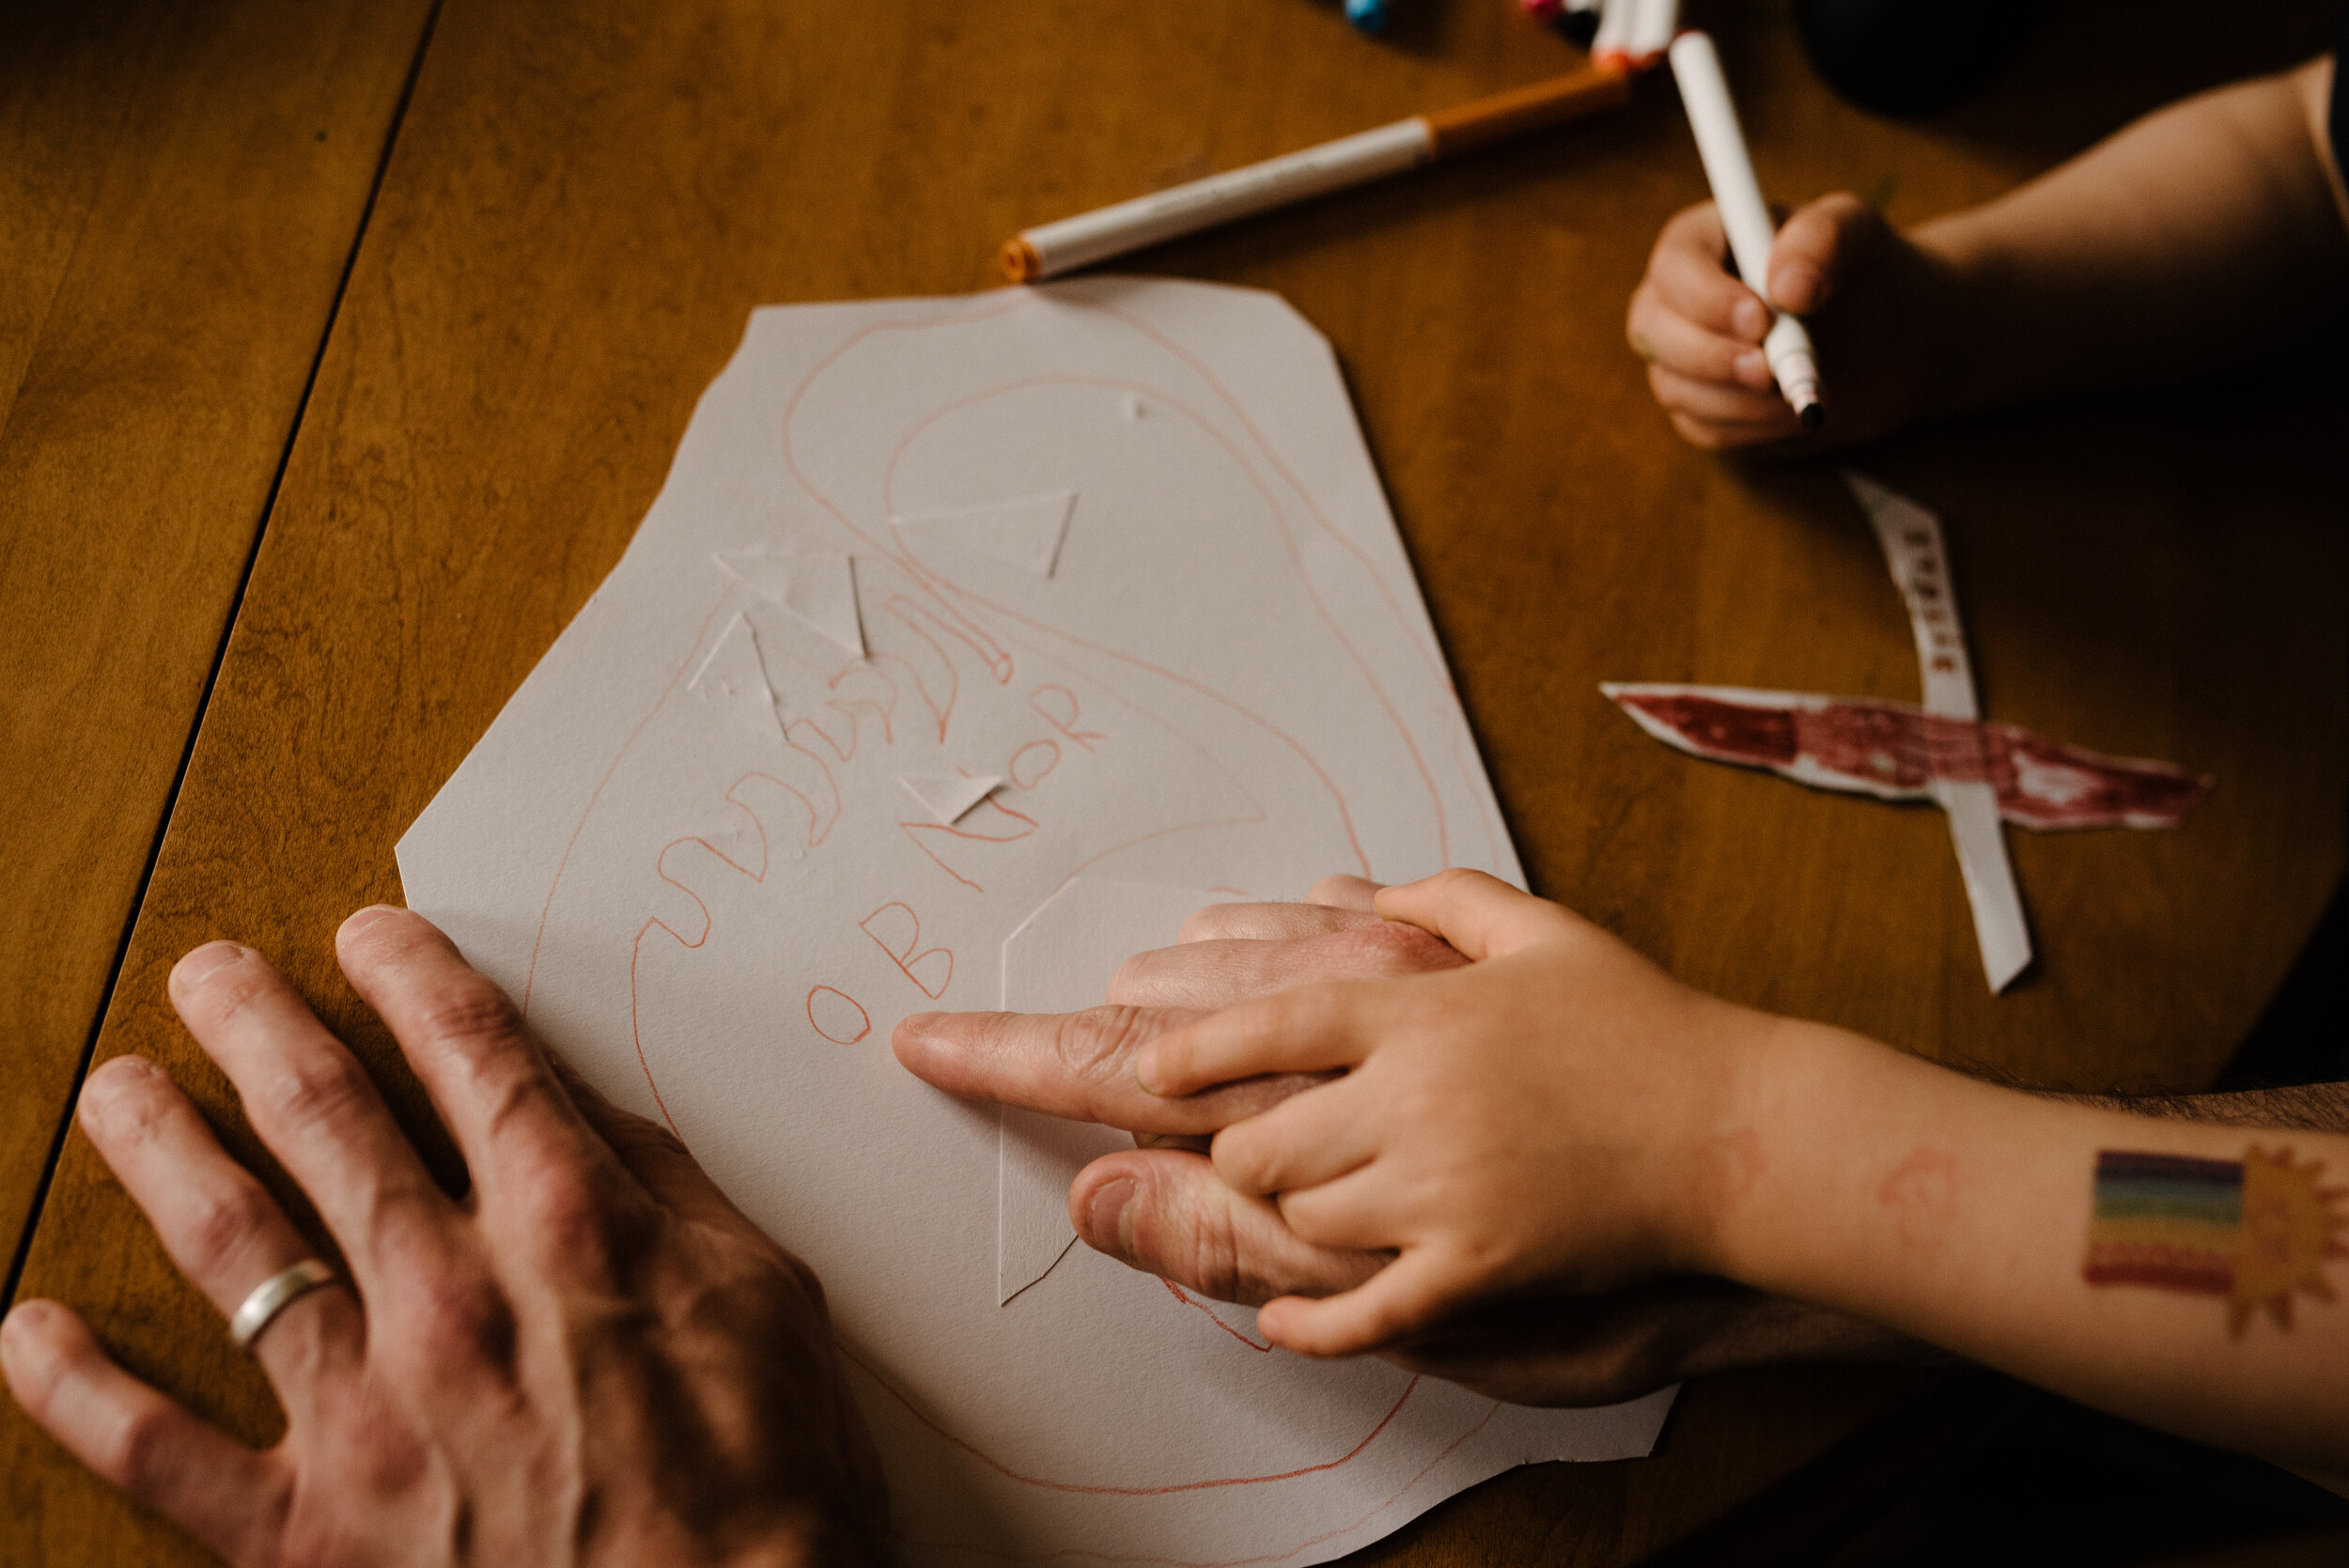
point(1226, 682)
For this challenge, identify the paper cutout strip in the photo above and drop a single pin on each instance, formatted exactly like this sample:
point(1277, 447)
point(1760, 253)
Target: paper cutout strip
point(1896, 752)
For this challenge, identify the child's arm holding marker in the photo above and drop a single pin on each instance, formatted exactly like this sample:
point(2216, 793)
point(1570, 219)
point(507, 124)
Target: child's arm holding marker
point(1561, 1115)
point(2205, 236)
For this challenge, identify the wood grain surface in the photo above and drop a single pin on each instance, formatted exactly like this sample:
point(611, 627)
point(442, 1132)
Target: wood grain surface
point(583, 203)
point(181, 187)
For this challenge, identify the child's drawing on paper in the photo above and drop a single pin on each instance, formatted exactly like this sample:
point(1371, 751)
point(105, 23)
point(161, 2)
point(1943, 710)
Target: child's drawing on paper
point(1054, 613)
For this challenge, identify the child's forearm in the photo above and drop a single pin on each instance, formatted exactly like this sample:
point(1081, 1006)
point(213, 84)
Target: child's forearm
point(2207, 236)
point(2190, 1289)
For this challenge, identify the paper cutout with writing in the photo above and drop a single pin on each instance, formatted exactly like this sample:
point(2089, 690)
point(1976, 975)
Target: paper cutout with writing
point(1978, 773)
point(1236, 686)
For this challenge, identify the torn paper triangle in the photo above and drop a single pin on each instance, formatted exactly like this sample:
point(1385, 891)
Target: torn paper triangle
point(949, 797)
point(820, 589)
point(1025, 533)
point(732, 682)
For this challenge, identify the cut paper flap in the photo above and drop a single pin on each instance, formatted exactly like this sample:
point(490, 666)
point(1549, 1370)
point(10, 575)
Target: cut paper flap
point(1062, 960)
point(1025, 533)
point(948, 796)
point(820, 589)
point(733, 680)
point(1898, 753)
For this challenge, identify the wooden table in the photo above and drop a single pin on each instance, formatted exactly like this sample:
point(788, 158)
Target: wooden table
point(578, 205)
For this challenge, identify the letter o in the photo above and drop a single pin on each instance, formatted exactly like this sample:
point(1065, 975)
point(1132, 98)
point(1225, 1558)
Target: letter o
point(1033, 774)
point(830, 1011)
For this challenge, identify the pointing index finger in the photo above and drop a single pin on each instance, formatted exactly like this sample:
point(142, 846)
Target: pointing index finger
point(1077, 1065)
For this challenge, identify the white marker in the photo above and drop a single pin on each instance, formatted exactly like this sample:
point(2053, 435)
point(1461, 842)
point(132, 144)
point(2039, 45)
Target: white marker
point(1052, 249)
point(1738, 194)
point(1634, 33)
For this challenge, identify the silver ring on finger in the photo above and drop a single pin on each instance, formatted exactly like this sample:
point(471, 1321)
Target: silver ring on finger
point(271, 1296)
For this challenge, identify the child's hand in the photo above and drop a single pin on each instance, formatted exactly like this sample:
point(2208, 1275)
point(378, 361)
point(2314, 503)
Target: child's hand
point(1560, 1115)
point(1875, 304)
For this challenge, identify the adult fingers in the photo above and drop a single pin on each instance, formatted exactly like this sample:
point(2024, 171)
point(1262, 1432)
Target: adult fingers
point(1343, 891)
point(1269, 923)
point(1670, 341)
point(315, 1109)
point(221, 1227)
point(656, 1157)
point(1298, 1144)
point(1169, 1214)
point(1409, 1294)
point(1307, 1029)
point(1815, 246)
point(1206, 975)
point(1688, 271)
point(1078, 1065)
point(1481, 916)
point(221, 1492)
point(493, 1086)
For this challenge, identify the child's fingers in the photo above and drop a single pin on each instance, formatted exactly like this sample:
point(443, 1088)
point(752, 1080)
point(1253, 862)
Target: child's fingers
point(1344, 891)
point(1264, 922)
point(1405, 1296)
point(1203, 976)
point(1688, 271)
point(1814, 247)
point(1170, 1213)
point(1306, 1139)
point(1481, 916)
point(1715, 402)
point(1709, 437)
point(1671, 342)
point(1317, 1024)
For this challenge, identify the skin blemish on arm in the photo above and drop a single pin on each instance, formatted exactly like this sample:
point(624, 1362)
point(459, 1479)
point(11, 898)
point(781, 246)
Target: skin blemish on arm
point(2253, 1231)
point(1920, 1191)
point(1733, 1163)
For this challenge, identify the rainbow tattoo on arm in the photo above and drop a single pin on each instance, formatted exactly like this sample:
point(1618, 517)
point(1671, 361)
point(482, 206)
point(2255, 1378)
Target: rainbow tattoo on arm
point(2253, 1231)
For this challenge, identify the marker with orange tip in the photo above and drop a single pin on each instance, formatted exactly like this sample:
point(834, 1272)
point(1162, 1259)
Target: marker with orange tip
point(1052, 249)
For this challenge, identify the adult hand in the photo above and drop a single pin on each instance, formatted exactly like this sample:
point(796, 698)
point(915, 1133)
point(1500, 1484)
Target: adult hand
point(1163, 1210)
point(593, 1358)
point(1558, 1117)
point(1876, 305)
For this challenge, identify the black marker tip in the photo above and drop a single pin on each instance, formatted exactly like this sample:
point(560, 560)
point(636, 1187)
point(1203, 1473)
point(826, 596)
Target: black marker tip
point(1813, 416)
